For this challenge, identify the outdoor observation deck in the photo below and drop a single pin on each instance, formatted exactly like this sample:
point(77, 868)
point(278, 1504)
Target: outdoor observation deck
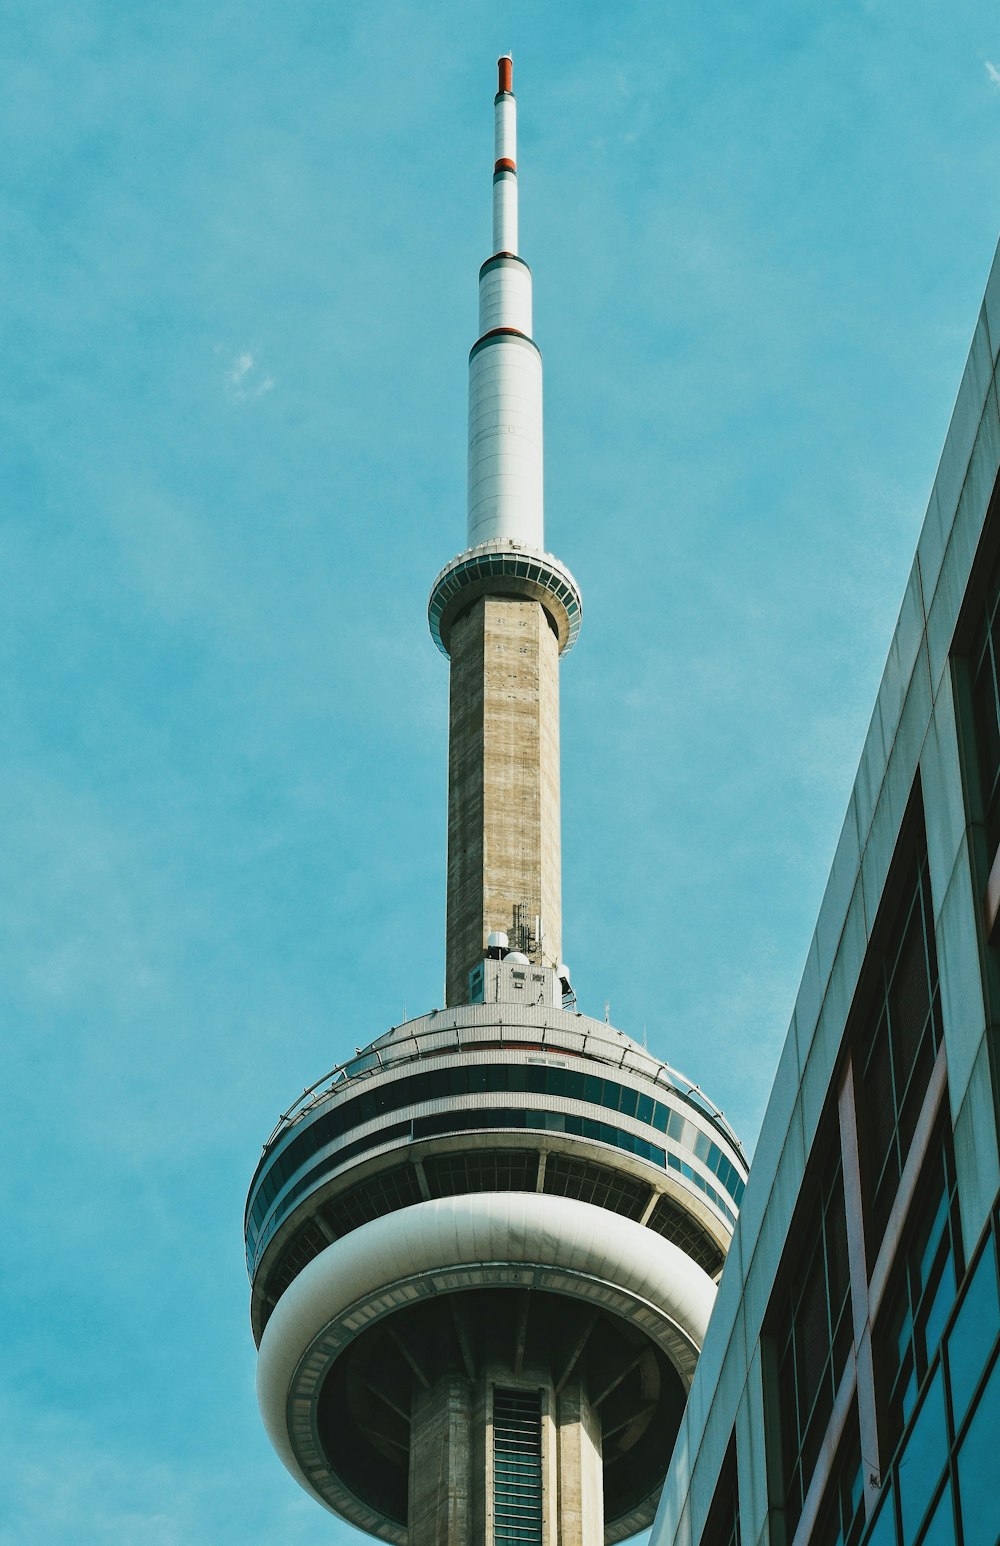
point(500, 1086)
point(461, 1152)
point(503, 567)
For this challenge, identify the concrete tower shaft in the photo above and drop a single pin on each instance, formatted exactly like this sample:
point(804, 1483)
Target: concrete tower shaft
point(504, 839)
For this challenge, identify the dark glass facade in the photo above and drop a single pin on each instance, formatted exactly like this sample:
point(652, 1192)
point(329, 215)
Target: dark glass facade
point(384, 1193)
point(566, 1176)
point(723, 1527)
point(922, 1292)
point(812, 1332)
point(517, 1468)
point(899, 1040)
point(842, 1516)
point(471, 1079)
point(487, 1170)
point(985, 669)
point(942, 1486)
point(671, 1221)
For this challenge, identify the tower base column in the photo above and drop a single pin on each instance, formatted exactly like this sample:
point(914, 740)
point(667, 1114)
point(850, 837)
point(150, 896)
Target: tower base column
point(504, 852)
point(581, 1469)
point(504, 1458)
point(441, 1463)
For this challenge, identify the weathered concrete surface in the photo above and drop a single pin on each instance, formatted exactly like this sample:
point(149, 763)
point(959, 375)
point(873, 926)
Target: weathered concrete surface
point(504, 845)
point(581, 1469)
point(451, 1460)
point(441, 1463)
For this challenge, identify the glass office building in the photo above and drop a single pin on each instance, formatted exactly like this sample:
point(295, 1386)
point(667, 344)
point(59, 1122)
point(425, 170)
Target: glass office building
point(848, 1388)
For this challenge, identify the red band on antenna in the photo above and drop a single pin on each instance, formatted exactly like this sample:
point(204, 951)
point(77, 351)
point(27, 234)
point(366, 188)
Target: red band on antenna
point(505, 66)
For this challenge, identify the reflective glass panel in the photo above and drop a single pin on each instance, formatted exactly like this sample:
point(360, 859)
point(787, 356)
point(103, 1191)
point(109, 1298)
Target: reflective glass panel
point(973, 1334)
point(899, 1033)
point(978, 1488)
point(940, 1306)
point(883, 1532)
point(941, 1530)
point(923, 1457)
point(517, 1476)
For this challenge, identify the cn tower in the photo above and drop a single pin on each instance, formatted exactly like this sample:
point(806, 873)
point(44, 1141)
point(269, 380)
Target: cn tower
point(484, 1251)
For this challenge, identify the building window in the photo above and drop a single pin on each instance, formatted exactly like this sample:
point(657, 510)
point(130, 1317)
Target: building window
point(921, 1294)
point(510, 1078)
point(722, 1527)
point(675, 1223)
point(898, 1042)
point(811, 1324)
point(941, 1486)
point(381, 1194)
point(485, 1170)
point(305, 1244)
point(985, 668)
point(517, 1468)
point(597, 1184)
point(842, 1513)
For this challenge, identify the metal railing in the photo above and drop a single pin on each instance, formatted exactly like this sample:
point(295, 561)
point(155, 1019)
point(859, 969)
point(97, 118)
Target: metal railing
point(414, 1047)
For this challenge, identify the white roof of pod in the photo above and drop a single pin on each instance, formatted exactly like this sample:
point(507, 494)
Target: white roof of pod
point(549, 1032)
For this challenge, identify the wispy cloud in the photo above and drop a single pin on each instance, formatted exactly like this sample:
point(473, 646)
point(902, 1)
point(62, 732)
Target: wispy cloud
point(245, 378)
point(992, 72)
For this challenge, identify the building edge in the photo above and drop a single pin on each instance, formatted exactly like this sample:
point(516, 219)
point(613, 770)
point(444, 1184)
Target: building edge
point(919, 790)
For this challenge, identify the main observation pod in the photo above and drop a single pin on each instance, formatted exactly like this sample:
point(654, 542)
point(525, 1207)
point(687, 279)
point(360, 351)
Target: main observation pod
point(495, 1202)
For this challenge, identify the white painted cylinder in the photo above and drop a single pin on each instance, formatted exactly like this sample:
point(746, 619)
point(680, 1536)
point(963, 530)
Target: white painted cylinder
point(505, 295)
point(505, 443)
point(505, 211)
point(505, 128)
point(505, 369)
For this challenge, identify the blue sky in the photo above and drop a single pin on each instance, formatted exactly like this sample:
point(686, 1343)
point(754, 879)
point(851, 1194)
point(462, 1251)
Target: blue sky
point(238, 255)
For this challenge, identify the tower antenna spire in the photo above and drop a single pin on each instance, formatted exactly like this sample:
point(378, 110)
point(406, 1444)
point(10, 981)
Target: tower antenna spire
point(505, 159)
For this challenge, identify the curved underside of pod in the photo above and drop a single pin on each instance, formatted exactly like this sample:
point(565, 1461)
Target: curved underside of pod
point(557, 1279)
